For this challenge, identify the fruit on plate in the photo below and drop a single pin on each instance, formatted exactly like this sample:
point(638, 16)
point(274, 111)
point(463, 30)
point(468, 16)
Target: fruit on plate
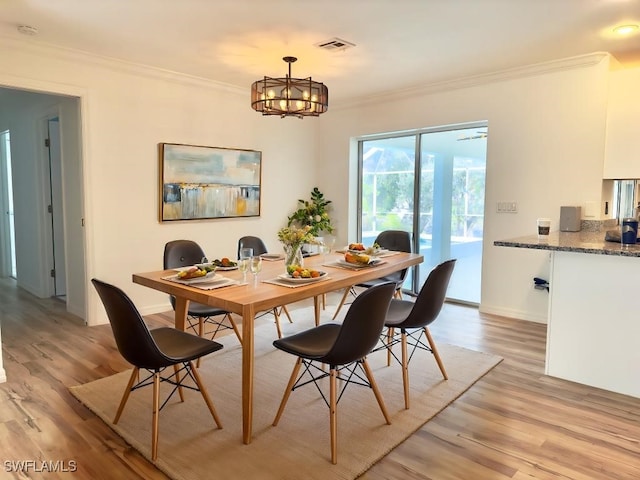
point(193, 272)
point(359, 258)
point(356, 246)
point(224, 262)
point(372, 250)
point(296, 271)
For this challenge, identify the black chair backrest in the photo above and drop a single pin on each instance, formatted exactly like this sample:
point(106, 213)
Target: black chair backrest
point(252, 242)
point(132, 335)
point(182, 253)
point(431, 297)
point(399, 241)
point(362, 325)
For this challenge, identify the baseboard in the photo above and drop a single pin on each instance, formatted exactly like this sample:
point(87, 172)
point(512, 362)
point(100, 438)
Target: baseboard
point(511, 313)
point(159, 308)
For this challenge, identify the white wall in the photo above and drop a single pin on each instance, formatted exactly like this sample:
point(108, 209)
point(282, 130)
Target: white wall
point(545, 149)
point(126, 112)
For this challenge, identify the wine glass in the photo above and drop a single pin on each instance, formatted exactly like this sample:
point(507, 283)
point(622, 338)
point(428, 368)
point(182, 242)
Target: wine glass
point(256, 268)
point(327, 246)
point(243, 262)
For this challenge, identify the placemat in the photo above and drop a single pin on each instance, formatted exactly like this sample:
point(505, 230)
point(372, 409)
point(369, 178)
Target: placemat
point(216, 282)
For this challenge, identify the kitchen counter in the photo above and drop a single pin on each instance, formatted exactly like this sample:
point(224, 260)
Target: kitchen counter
point(580, 242)
point(593, 330)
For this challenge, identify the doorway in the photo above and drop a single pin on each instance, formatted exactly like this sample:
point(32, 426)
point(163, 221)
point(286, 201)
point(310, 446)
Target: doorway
point(430, 183)
point(48, 194)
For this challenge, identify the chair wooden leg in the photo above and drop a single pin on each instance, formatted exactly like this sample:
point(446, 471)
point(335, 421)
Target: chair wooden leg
point(344, 299)
point(376, 391)
point(435, 353)
point(333, 415)
point(276, 315)
point(286, 312)
point(125, 395)
point(235, 328)
point(200, 333)
point(205, 395)
point(390, 332)
point(156, 414)
point(177, 372)
point(405, 370)
point(287, 392)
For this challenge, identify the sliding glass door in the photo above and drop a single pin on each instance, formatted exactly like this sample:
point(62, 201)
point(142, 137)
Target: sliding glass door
point(429, 183)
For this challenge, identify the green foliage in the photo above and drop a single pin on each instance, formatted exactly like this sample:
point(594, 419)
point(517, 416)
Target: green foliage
point(313, 214)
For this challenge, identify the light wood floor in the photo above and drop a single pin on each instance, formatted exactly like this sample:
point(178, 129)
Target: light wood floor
point(515, 423)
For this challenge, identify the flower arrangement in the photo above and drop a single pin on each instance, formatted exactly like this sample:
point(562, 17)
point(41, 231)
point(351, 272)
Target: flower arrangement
point(293, 238)
point(313, 214)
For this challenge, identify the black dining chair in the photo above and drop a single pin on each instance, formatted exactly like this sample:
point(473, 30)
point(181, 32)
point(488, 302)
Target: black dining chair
point(344, 348)
point(259, 248)
point(154, 351)
point(394, 240)
point(184, 253)
point(413, 319)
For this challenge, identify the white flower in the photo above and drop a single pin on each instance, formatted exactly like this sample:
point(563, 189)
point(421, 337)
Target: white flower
point(318, 218)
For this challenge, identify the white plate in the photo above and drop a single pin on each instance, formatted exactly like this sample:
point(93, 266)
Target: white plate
point(207, 278)
point(272, 256)
point(226, 269)
point(288, 278)
point(372, 263)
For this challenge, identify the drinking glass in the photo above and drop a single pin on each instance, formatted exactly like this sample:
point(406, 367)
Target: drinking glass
point(243, 262)
point(256, 268)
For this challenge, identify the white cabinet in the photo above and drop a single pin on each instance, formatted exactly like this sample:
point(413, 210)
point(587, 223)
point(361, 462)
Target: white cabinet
point(622, 144)
point(593, 334)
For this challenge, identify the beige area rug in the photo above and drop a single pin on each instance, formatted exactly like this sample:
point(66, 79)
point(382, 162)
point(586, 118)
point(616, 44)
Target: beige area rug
point(190, 447)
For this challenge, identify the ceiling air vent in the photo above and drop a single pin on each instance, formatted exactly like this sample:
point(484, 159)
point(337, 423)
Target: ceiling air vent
point(335, 45)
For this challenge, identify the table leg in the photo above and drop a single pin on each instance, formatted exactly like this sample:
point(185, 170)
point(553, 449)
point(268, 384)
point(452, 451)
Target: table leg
point(181, 310)
point(316, 308)
point(248, 317)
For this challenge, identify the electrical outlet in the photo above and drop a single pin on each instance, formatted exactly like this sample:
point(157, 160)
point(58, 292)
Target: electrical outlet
point(507, 207)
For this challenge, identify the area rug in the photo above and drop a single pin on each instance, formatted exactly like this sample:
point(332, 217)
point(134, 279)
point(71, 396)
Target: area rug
point(191, 448)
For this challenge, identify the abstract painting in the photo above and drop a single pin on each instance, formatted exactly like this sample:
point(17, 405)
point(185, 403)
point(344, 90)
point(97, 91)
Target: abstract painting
point(198, 183)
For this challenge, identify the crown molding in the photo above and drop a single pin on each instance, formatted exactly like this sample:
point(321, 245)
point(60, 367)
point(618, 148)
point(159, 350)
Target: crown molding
point(109, 63)
point(542, 68)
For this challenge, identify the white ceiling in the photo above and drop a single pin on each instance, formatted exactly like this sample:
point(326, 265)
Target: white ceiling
point(399, 43)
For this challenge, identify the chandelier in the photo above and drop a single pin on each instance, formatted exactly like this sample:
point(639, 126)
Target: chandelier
point(289, 97)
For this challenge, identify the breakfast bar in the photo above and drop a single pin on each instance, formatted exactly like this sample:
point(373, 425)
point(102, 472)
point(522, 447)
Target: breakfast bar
point(593, 332)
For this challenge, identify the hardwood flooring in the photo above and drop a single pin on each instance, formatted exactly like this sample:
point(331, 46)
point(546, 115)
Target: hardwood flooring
point(515, 423)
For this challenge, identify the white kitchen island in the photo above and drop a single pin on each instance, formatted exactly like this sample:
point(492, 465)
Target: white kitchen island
point(593, 331)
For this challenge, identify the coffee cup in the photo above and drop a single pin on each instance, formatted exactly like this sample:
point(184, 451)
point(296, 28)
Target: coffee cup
point(544, 226)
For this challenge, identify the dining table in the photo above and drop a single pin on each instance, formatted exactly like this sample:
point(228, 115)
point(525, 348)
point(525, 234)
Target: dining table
point(246, 299)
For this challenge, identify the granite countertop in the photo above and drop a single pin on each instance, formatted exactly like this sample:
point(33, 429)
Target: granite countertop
point(579, 242)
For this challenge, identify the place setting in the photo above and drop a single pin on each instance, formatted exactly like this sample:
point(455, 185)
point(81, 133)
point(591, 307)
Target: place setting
point(204, 276)
point(298, 276)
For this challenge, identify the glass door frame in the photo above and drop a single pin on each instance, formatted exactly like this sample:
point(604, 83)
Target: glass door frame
point(414, 274)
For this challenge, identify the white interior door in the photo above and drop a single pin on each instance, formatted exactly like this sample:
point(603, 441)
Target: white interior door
point(56, 209)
